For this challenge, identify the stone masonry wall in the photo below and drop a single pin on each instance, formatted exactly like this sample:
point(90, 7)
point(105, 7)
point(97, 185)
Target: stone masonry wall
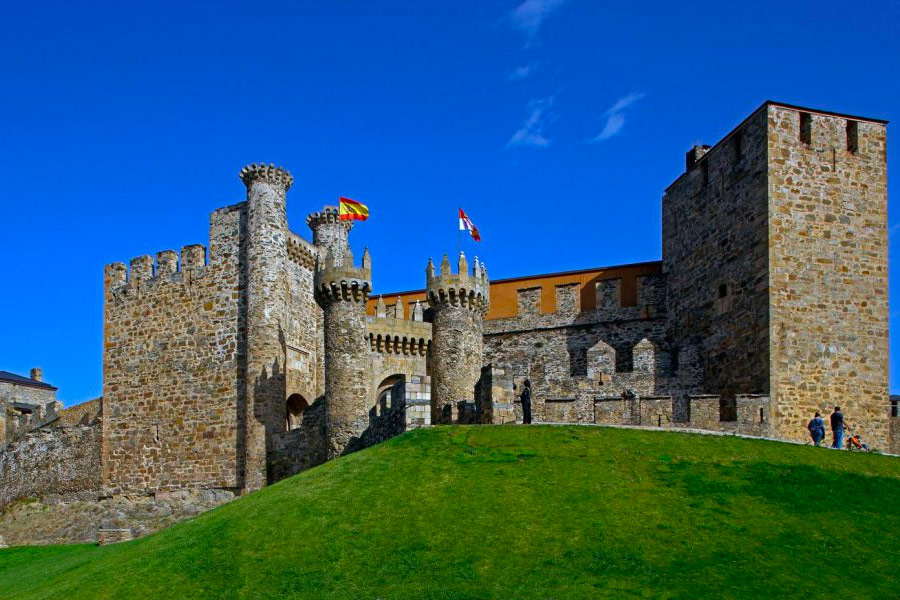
point(574, 356)
point(303, 333)
point(57, 463)
point(27, 394)
point(346, 374)
point(828, 252)
point(172, 349)
point(397, 347)
point(715, 257)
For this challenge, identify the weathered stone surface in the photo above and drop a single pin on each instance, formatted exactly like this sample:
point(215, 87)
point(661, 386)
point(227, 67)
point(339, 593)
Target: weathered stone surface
point(828, 273)
point(59, 463)
point(342, 291)
point(458, 302)
point(33, 521)
point(113, 536)
point(775, 249)
point(26, 403)
point(173, 348)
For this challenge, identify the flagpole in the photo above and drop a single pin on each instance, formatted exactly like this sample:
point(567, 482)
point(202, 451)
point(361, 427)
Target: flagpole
point(458, 238)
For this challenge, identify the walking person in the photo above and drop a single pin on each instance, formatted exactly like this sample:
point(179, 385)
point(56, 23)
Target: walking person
point(837, 428)
point(526, 402)
point(816, 428)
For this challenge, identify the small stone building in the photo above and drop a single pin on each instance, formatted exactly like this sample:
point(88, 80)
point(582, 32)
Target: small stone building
point(25, 403)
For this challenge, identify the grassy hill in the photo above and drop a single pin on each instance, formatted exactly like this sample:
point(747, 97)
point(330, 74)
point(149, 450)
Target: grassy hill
point(516, 512)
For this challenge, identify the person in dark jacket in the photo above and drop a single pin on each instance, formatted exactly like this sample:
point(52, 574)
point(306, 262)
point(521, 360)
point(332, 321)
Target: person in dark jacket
point(817, 429)
point(526, 402)
point(837, 428)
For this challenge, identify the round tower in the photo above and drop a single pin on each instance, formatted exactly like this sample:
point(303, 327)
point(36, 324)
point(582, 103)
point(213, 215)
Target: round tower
point(330, 233)
point(267, 187)
point(342, 289)
point(458, 302)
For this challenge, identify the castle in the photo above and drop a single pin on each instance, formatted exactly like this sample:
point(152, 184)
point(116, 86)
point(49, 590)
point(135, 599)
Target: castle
point(270, 353)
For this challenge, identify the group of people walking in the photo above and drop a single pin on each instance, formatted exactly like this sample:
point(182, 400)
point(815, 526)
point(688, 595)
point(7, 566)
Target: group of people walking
point(816, 429)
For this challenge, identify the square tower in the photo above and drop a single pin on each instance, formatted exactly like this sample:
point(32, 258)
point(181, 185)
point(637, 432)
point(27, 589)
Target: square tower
point(775, 248)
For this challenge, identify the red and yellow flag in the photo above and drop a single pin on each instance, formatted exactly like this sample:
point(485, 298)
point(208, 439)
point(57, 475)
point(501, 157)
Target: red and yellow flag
point(351, 210)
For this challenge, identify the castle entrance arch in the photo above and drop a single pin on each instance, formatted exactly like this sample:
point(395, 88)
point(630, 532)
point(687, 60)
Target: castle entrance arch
point(388, 392)
point(295, 406)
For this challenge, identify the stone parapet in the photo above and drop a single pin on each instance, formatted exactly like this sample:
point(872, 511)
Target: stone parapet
point(269, 174)
point(330, 233)
point(342, 285)
point(461, 289)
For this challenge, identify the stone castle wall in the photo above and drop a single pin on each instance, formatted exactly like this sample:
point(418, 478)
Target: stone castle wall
point(82, 414)
point(173, 348)
point(398, 349)
point(715, 257)
point(58, 463)
point(573, 356)
point(828, 277)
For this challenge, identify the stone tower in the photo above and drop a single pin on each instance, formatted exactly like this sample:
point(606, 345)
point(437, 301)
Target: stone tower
point(459, 303)
point(775, 249)
point(267, 188)
point(342, 290)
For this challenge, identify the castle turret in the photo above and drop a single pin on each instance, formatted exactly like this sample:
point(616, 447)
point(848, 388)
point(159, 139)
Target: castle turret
point(342, 291)
point(330, 233)
point(267, 188)
point(459, 303)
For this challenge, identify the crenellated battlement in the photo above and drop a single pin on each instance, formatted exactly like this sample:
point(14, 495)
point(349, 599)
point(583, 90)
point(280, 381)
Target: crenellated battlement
point(343, 282)
point(301, 252)
point(388, 335)
point(268, 174)
point(166, 267)
point(470, 291)
point(328, 214)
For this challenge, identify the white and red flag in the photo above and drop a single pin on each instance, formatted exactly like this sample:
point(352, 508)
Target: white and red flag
point(466, 224)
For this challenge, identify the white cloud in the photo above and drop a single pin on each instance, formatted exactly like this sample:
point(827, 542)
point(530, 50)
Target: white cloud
point(520, 73)
point(528, 16)
point(623, 103)
point(614, 125)
point(615, 117)
point(531, 133)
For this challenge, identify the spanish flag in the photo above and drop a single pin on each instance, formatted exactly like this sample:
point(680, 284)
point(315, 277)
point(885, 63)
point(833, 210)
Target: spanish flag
point(351, 210)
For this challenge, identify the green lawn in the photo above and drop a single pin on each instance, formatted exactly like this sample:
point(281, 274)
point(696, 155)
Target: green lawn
point(520, 512)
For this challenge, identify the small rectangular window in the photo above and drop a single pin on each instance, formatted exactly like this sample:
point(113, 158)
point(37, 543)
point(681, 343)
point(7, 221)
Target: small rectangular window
point(723, 290)
point(852, 136)
point(704, 167)
point(736, 141)
point(806, 128)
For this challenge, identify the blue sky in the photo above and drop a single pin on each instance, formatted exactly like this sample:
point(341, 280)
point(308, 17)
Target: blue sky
point(556, 124)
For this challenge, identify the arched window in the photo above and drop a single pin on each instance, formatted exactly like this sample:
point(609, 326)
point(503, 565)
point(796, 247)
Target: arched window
point(295, 406)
